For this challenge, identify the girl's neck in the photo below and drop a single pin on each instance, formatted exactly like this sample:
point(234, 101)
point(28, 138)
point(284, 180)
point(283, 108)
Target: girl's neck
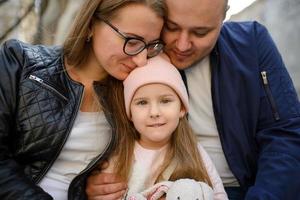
point(157, 146)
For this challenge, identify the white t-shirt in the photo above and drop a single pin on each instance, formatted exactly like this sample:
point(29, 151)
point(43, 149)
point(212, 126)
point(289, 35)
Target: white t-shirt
point(89, 137)
point(202, 119)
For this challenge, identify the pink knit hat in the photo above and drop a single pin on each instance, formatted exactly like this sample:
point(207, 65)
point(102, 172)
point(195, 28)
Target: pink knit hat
point(157, 70)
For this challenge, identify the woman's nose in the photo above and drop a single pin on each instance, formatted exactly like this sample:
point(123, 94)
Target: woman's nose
point(140, 59)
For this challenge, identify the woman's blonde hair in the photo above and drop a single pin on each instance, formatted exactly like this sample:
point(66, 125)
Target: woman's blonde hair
point(76, 48)
point(183, 147)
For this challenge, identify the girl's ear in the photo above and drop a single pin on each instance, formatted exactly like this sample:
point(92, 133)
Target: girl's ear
point(182, 112)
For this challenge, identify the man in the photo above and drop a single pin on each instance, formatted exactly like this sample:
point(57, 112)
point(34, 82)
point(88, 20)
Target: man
point(244, 107)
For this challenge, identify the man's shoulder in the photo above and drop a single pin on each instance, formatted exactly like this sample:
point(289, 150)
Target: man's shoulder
point(241, 28)
point(244, 33)
point(241, 24)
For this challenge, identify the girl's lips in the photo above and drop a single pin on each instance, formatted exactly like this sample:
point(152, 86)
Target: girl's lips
point(156, 125)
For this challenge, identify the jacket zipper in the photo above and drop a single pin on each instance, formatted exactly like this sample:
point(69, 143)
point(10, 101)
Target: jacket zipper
point(87, 169)
point(269, 95)
point(44, 83)
point(215, 63)
point(38, 179)
point(95, 160)
point(89, 166)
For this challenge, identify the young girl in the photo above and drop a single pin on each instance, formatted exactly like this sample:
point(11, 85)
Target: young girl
point(160, 145)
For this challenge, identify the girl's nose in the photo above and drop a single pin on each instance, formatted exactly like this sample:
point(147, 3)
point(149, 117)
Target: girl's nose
point(154, 111)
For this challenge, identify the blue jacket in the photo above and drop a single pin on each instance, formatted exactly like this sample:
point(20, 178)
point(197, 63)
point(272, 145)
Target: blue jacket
point(257, 112)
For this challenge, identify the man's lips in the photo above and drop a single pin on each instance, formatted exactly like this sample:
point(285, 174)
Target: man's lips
point(182, 55)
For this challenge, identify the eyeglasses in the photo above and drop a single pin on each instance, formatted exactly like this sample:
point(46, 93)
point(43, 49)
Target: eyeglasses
point(134, 45)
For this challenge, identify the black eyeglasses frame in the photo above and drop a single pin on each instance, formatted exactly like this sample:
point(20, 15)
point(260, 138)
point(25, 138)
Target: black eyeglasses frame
point(158, 43)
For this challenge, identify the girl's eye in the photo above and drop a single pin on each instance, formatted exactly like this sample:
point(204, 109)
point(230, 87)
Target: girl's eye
point(165, 101)
point(142, 102)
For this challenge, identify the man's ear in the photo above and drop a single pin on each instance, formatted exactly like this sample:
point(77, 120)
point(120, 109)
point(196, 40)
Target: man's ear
point(225, 11)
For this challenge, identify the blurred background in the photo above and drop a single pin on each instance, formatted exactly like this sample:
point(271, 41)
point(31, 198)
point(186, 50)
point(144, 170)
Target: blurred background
point(48, 22)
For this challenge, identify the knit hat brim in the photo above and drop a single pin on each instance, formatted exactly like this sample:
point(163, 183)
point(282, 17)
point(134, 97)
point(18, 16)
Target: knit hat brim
point(157, 70)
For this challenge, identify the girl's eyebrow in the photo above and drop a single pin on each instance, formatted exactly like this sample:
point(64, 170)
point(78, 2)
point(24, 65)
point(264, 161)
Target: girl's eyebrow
point(168, 95)
point(138, 98)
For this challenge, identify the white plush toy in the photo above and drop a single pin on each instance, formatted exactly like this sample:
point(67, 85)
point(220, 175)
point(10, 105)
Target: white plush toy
point(182, 189)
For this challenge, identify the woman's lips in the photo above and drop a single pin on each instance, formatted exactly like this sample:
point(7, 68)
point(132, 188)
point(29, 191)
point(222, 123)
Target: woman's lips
point(128, 68)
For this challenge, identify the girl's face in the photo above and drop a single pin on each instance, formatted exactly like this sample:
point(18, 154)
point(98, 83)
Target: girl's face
point(155, 112)
point(134, 20)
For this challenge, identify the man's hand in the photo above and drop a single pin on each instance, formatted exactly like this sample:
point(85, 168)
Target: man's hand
point(105, 186)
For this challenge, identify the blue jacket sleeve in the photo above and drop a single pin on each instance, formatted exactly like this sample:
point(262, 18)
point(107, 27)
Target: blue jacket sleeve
point(13, 182)
point(278, 138)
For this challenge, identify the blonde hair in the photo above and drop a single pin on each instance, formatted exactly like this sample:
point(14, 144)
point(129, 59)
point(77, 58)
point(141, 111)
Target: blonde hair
point(185, 151)
point(183, 147)
point(75, 47)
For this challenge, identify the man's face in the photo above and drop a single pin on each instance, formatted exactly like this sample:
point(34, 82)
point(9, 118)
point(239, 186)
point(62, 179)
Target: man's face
point(191, 29)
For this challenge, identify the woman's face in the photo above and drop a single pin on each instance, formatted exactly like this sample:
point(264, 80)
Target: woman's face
point(134, 20)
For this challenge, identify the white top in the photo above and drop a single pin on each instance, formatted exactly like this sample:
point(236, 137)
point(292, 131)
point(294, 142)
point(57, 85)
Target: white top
point(89, 137)
point(146, 165)
point(202, 119)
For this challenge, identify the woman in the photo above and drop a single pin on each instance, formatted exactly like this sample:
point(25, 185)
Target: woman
point(55, 111)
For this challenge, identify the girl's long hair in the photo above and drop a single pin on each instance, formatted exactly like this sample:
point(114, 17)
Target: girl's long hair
point(185, 151)
point(183, 147)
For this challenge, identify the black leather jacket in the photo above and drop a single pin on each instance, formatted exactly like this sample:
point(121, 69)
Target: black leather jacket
point(38, 106)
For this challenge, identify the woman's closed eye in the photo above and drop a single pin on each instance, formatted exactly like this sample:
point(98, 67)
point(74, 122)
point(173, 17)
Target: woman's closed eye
point(134, 42)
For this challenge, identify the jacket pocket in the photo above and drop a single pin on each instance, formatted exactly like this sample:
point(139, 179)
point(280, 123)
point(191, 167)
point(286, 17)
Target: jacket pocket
point(270, 97)
point(48, 86)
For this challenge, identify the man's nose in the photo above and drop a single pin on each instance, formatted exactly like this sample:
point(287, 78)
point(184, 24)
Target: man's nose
point(140, 59)
point(183, 42)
